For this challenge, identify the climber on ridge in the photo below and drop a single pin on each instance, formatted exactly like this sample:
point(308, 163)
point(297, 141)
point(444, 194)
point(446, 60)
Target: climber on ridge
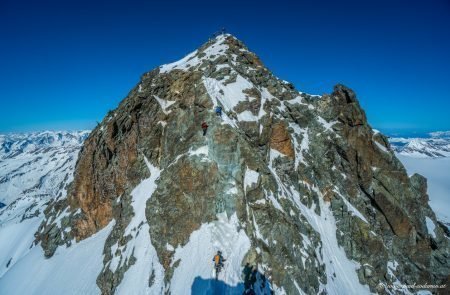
point(205, 128)
point(219, 111)
point(218, 262)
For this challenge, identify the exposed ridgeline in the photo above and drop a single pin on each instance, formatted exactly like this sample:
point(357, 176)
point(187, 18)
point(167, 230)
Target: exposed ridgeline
point(298, 184)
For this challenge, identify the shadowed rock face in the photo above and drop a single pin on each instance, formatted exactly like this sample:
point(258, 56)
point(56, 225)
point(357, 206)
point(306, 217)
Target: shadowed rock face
point(319, 168)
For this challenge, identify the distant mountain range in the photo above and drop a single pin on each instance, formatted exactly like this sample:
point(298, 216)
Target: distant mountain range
point(28, 161)
point(435, 145)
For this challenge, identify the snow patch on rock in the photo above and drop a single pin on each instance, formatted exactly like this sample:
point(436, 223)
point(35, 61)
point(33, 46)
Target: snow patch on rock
point(135, 280)
point(430, 226)
point(165, 104)
point(250, 178)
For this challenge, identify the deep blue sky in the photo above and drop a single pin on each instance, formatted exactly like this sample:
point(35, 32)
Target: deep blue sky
point(64, 64)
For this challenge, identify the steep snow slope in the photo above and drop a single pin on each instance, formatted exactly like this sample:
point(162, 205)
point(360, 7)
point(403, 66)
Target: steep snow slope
point(72, 270)
point(136, 278)
point(195, 257)
point(34, 169)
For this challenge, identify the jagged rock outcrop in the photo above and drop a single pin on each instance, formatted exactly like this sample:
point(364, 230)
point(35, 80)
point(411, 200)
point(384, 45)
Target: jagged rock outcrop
point(302, 183)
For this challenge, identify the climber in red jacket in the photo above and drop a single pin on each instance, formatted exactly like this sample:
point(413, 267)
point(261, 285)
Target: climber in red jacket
point(204, 127)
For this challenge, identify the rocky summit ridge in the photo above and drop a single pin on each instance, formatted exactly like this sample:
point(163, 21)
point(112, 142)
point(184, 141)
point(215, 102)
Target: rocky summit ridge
point(297, 184)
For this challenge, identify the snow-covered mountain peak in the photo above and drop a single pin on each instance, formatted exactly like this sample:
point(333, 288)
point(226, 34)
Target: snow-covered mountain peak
point(215, 48)
point(234, 78)
point(298, 186)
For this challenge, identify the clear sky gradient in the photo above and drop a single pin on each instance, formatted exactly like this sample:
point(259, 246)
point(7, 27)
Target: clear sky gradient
point(64, 64)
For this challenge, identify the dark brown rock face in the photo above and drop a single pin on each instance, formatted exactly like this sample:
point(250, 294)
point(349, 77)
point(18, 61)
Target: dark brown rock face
point(280, 140)
point(307, 188)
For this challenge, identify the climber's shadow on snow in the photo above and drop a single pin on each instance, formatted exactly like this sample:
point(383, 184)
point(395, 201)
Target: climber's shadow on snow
point(203, 286)
point(211, 286)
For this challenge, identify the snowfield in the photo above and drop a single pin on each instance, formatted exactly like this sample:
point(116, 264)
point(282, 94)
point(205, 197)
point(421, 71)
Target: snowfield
point(71, 270)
